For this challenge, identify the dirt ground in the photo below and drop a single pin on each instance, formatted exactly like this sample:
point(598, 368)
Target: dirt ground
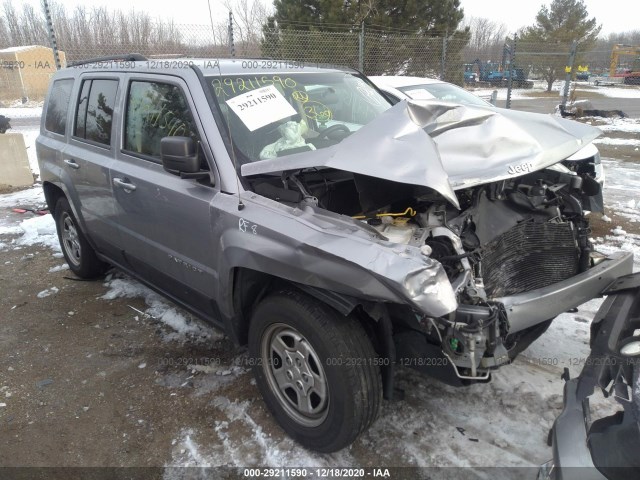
point(84, 368)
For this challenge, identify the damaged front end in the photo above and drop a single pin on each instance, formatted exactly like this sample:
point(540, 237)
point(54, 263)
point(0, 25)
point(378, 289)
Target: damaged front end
point(500, 231)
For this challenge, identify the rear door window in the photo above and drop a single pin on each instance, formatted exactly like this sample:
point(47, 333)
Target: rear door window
point(58, 107)
point(156, 110)
point(94, 115)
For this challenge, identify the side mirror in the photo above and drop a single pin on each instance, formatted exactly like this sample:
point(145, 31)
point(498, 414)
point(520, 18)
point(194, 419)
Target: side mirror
point(179, 155)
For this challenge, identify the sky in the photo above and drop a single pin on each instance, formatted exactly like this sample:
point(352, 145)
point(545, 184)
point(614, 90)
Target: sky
point(613, 15)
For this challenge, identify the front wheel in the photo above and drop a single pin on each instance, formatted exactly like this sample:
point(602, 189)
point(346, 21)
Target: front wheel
point(317, 370)
point(77, 252)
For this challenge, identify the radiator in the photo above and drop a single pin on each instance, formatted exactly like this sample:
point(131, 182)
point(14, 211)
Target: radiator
point(529, 256)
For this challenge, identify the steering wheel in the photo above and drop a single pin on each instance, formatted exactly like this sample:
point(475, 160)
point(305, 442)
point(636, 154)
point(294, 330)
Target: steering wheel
point(334, 128)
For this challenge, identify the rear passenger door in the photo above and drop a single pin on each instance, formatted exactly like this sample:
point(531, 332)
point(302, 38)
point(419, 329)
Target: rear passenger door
point(89, 154)
point(164, 220)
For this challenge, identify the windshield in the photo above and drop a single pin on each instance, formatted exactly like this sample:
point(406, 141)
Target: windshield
point(280, 114)
point(443, 91)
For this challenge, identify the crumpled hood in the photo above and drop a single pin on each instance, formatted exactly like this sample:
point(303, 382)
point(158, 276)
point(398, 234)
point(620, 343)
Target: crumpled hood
point(445, 146)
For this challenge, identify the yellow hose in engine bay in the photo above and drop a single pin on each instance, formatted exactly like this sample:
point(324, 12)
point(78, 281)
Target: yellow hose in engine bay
point(409, 212)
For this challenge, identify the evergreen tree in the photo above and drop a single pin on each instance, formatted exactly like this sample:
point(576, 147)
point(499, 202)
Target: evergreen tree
point(417, 16)
point(403, 36)
point(556, 28)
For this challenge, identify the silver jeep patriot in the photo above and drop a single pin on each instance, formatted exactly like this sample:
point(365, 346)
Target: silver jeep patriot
point(337, 235)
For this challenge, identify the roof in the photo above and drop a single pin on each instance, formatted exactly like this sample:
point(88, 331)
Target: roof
point(396, 81)
point(217, 66)
point(241, 66)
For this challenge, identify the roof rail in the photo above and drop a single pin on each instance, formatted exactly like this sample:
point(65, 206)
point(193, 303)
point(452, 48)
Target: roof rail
point(125, 57)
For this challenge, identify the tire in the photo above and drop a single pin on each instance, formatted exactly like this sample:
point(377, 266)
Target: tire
point(320, 344)
point(80, 256)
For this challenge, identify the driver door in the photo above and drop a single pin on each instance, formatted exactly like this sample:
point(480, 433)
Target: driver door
point(164, 220)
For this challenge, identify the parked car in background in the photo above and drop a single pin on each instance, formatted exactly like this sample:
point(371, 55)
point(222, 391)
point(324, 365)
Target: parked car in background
point(420, 88)
point(583, 75)
point(335, 234)
point(586, 160)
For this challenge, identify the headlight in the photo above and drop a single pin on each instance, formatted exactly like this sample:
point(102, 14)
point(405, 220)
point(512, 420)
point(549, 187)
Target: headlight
point(596, 158)
point(421, 283)
point(430, 289)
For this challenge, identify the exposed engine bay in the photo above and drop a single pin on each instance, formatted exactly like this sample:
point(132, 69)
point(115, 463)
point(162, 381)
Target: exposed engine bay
point(509, 237)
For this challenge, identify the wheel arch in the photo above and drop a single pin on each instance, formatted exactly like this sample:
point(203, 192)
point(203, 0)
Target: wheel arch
point(251, 286)
point(52, 193)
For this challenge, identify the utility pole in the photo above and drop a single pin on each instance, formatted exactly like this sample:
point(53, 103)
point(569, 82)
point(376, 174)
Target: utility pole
point(443, 60)
point(361, 48)
point(567, 81)
point(232, 47)
point(512, 60)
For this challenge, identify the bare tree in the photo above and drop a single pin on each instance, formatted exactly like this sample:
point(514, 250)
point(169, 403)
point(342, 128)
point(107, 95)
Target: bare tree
point(249, 16)
point(5, 36)
point(487, 39)
point(13, 24)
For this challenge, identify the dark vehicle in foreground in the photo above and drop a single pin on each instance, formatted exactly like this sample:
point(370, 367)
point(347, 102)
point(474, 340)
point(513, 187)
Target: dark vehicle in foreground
point(606, 448)
point(336, 235)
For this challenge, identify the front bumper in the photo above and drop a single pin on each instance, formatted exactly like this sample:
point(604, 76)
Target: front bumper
point(571, 456)
point(598, 450)
point(530, 308)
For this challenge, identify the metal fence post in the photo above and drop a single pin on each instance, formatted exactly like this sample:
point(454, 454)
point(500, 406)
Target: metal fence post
point(52, 35)
point(512, 60)
point(567, 81)
point(232, 47)
point(361, 48)
point(443, 61)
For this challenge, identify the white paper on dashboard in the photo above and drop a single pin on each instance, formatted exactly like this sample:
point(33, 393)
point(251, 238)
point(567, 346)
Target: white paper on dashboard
point(261, 107)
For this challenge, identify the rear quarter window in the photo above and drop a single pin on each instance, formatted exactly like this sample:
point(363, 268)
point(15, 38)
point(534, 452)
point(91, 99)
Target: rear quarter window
point(58, 106)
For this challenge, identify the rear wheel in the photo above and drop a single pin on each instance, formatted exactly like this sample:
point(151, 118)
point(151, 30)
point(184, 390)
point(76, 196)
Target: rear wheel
point(317, 370)
point(78, 253)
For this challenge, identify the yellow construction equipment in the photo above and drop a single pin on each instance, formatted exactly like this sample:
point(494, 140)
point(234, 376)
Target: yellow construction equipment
point(632, 76)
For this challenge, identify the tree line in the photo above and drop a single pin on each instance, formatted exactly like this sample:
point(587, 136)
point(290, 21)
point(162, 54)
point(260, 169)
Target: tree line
point(99, 31)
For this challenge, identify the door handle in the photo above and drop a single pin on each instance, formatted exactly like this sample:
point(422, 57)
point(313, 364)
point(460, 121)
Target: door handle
point(126, 186)
point(72, 164)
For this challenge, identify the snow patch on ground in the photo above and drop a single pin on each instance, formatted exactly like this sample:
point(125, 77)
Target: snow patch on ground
point(633, 142)
point(32, 111)
point(616, 92)
point(40, 230)
point(48, 292)
point(502, 93)
point(32, 195)
point(622, 187)
point(627, 125)
point(59, 268)
point(184, 325)
point(233, 449)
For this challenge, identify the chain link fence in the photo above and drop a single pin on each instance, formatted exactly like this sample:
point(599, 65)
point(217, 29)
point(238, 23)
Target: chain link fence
point(514, 65)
